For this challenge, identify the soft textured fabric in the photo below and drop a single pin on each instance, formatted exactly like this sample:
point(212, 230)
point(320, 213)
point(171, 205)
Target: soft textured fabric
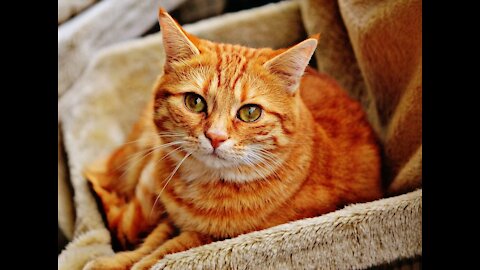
point(98, 112)
point(66, 213)
point(357, 236)
point(103, 24)
point(69, 8)
point(374, 50)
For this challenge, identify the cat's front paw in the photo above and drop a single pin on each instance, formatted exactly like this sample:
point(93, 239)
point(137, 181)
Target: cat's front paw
point(105, 264)
point(144, 264)
point(121, 261)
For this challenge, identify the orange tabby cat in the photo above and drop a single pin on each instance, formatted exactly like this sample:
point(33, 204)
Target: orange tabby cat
point(233, 140)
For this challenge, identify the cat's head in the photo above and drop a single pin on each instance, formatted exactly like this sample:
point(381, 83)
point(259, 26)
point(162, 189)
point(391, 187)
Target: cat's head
point(229, 107)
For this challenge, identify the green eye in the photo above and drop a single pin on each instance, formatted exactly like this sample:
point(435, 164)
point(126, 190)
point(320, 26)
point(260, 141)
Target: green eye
point(195, 103)
point(249, 113)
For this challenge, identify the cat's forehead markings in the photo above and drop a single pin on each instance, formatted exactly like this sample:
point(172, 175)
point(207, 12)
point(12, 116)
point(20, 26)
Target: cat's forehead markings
point(241, 66)
point(198, 80)
point(238, 92)
point(212, 89)
point(207, 85)
point(221, 70)
point(196, 83)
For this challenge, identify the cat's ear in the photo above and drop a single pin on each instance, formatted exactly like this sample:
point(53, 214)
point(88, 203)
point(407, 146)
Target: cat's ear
point(177, 43)
point(291, 64)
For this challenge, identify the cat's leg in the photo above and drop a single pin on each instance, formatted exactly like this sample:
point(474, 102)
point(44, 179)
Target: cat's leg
point(126, 219)
point(183, 241)
point(124, 260)
point(122, 181)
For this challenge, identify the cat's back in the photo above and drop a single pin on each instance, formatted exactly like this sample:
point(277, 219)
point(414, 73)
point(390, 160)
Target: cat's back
point(342, 117)
point(350, 150)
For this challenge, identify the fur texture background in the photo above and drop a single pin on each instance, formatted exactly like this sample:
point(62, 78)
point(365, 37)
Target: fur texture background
point(358, 236)
point(373, 49)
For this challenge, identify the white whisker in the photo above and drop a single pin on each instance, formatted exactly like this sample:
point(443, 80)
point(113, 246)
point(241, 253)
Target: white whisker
point(154, 136)
point(168, 181)
point(137, 157)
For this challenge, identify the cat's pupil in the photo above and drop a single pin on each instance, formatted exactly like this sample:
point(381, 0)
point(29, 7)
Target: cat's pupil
point(195, 102)
point(249, 113)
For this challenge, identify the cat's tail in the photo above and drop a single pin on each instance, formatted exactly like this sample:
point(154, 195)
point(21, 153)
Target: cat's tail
point(100, 177)
point(117, 208)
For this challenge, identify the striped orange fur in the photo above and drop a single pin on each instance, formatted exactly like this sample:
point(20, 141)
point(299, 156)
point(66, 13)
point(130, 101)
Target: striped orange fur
point(186, 178)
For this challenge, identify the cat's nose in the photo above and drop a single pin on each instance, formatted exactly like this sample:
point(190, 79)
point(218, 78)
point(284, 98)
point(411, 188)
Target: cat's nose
point(216, 137)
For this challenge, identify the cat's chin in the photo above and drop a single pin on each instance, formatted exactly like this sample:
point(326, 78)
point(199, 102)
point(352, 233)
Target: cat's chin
point(214, 161)
point(208, 167)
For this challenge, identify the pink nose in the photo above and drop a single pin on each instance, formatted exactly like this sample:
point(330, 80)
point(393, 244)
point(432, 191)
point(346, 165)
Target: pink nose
point(216, 137)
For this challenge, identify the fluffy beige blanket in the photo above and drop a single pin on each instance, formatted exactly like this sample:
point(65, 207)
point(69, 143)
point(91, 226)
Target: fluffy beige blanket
point(372, 48)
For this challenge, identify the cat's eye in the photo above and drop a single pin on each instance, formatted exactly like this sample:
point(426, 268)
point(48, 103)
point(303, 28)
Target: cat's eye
point(195, 103)
point(249, 113)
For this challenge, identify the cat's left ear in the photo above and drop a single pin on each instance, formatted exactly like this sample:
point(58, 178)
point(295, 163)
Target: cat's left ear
point(177, 43)
point(291, 64)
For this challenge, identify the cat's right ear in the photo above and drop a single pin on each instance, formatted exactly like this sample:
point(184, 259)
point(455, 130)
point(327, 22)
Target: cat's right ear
point(290, 64)
point(177, 43)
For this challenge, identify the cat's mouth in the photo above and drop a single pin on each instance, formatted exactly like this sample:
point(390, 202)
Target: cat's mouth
point(216, 155)
point(215, 160)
